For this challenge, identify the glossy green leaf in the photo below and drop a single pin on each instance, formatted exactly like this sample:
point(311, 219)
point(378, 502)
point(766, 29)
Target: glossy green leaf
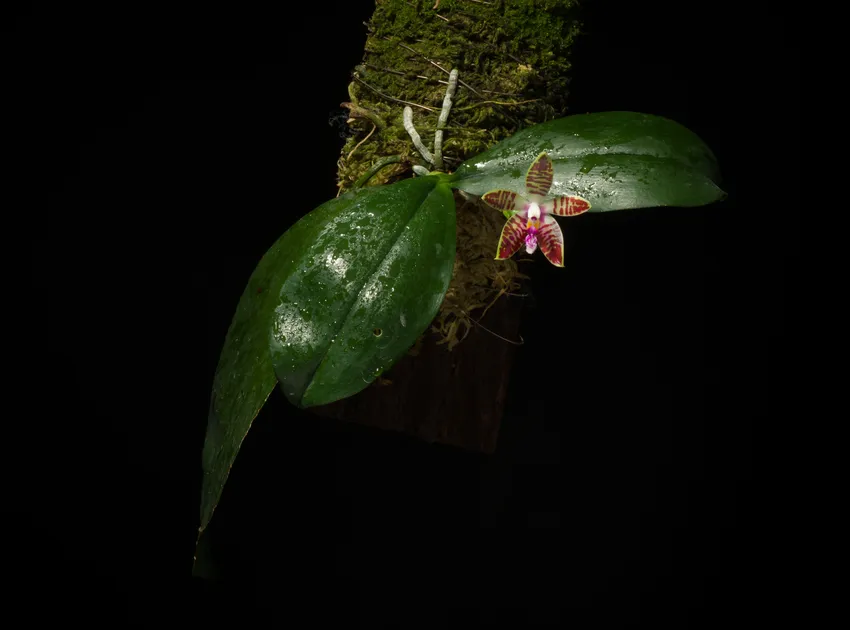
point(335, 301)
point(369, 272)
point(615, 160)
point(244, 377)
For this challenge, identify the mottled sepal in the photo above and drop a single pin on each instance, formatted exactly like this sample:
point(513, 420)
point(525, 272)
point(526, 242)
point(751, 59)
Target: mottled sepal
point(513, 237)
point(550, 239)
point(505, 200)
point(567, 206)
point(538, 180)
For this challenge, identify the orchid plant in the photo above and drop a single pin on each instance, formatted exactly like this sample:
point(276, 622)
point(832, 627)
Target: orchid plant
point(350, 287)
point(531, 220)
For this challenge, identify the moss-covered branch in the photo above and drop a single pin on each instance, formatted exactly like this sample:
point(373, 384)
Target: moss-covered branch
point(513, 64)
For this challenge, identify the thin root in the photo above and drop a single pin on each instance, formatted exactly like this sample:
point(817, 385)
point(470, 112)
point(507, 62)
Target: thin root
point(357, 146)
point(392, 98)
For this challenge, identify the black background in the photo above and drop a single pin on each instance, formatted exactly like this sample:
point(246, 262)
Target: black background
point(163, 151)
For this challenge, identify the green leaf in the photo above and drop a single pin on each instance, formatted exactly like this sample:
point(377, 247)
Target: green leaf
point(372, 269)
point(334, 302)
point(244, 377)
point(615, 160)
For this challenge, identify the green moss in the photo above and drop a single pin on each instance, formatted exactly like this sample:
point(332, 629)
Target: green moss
point(513, 64)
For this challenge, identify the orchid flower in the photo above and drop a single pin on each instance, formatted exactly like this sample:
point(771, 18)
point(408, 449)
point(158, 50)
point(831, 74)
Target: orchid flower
point(531, 220)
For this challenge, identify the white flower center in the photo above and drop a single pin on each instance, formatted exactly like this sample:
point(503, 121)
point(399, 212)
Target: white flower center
point(533, 211)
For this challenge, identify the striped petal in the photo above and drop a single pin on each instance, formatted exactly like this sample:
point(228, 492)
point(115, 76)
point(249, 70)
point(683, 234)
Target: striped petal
point(504, 200)
point(538, 180)
point(550, 239)
point(566, 206)
point(513, 237)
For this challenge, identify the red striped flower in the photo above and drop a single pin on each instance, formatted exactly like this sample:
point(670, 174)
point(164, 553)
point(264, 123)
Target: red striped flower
point(531, 220)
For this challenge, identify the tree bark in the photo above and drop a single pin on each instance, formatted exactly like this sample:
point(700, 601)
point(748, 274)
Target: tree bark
point(513, 61)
